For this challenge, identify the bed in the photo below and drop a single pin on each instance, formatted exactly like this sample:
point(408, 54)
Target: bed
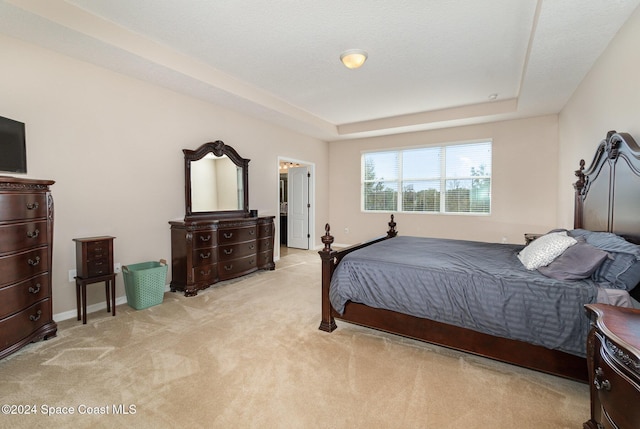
point(485, 298)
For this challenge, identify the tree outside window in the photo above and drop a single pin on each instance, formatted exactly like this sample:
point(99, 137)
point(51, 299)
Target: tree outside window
point(444, 179)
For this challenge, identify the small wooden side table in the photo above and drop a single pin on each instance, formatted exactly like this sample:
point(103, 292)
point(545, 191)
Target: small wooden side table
point(81, 293)
point(94, 264)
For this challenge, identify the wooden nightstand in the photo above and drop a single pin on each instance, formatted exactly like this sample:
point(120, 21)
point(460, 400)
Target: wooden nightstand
point(613, 357)
point(529, 237)
point(94, 264)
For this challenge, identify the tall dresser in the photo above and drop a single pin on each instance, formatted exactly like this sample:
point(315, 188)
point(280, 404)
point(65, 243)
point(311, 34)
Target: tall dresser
point(613, 357)
point(26, 236)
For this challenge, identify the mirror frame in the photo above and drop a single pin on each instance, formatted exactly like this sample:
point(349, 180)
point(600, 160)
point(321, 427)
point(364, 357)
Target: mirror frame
point(218, 148)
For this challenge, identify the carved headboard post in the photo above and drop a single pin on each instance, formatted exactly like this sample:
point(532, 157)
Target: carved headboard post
point(579, 187)
point(606, 197)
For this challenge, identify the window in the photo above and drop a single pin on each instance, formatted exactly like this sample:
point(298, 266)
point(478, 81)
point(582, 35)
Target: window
point(443, 179)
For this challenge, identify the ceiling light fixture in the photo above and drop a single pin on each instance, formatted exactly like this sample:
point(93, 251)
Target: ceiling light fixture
point(353, 58)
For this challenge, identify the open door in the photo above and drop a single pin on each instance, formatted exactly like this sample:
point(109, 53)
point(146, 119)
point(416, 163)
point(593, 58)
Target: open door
point(298, 207)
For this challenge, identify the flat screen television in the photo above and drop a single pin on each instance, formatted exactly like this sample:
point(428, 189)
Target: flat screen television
point(13, 149)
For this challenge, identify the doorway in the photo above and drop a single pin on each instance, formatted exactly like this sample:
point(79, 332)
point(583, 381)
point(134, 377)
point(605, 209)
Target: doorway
point(296, 195)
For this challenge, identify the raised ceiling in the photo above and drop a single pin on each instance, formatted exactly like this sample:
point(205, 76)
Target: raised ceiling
point(431, 64)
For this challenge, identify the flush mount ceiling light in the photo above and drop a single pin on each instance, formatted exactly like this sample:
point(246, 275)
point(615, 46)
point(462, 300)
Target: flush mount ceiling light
point(353, 58)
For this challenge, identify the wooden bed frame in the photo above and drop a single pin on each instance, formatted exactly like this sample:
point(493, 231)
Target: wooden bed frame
point(616, 166)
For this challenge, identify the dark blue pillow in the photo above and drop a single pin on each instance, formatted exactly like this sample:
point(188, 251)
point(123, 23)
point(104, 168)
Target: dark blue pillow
point(576, 263)
point(621, 270)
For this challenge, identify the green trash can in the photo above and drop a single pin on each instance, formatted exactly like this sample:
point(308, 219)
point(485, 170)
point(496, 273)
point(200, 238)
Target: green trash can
point(144, 283)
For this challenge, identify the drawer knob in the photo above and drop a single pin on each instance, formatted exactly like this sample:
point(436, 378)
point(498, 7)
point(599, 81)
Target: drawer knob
point(205, 256)
point(36, 289)
point(33, 206)
point(252, 246)
point(33, 234)
point(203, 273)
point(227, 251)
point(601, 384)
point(35, 317)
point(207, 238)
point(227, 234)
point(34, 262)
point(251, 232)
point(228, 267)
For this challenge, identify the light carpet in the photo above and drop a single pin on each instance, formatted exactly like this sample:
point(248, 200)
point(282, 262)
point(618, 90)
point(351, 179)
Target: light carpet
point(248, 354)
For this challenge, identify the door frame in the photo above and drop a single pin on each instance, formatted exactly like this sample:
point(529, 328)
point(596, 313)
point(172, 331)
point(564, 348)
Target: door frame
point(312, 200)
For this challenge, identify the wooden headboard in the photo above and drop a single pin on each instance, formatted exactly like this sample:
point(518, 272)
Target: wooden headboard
point(607, 193)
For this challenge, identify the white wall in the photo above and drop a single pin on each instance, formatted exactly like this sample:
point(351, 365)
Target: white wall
point(114, 144)
point(607, 99)
point(523, 195)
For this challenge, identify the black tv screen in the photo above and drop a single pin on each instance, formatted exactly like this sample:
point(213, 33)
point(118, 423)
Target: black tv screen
point(13, 150)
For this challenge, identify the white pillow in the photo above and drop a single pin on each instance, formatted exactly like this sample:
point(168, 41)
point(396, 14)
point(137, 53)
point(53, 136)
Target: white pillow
point(543, 250)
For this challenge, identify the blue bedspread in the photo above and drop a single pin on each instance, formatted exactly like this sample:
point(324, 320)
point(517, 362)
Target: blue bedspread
point(480, 286)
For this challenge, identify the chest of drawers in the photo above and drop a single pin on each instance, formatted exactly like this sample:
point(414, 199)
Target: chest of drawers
point(26, 238)
point(208, 251)
point(613, 356)
point(94, 256)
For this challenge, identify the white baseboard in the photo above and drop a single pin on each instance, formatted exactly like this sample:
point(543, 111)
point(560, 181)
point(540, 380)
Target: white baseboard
point(93, 308)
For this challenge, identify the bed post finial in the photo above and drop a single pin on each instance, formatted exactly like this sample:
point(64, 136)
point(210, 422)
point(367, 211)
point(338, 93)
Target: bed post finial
point(328, 323)
point(392, 228)
point(327, 238)
point(579, 185)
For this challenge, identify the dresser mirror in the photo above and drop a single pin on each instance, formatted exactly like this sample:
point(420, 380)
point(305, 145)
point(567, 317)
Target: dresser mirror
point(216, 182)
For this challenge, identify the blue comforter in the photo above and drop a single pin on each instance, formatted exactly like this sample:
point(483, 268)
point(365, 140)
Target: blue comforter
point(480, 286)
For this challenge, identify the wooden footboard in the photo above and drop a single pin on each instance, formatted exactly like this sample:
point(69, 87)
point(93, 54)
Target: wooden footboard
point(330, 260)
point(510, 351)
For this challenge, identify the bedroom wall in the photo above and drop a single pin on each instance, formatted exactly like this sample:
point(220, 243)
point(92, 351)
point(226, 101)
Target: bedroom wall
point(608, 98)
point(114, 144)
point(524, 191)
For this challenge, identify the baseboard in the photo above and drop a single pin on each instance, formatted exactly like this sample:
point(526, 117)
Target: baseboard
point(93, 308)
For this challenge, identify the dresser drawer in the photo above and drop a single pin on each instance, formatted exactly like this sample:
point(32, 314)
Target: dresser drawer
point(265, 230)
point(233, 268)
point(234, 251)
point(22, 324)
point(20, 236)
point(98, 267)
point(205, 256)
point(98, 251)
point(203, 239)
point(265, 259)
point(204, 274)
point(22, 206)
point(21, 295)
point(265, 244)
point(236, 235)
point(23, 265)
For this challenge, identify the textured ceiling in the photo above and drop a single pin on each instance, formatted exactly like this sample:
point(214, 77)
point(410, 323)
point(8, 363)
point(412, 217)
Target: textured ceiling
point(431, 63)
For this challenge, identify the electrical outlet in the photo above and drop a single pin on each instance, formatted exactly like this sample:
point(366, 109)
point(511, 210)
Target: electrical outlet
point(72, 275)
point(117, 267)
point(346, 230)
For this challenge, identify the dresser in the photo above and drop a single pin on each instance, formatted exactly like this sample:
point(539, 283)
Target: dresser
point(26, 236)
point(613, 358)
point(204, 252)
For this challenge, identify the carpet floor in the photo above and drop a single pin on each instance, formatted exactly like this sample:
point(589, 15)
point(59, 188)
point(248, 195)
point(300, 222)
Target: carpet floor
point(247, 353)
